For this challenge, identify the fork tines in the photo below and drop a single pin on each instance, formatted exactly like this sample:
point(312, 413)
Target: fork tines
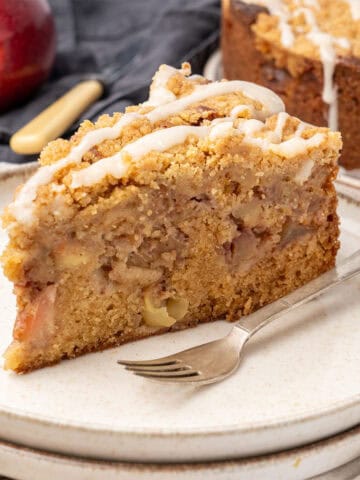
point(160, 369)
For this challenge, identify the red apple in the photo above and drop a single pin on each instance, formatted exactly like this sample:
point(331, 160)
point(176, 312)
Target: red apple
point(27, 48)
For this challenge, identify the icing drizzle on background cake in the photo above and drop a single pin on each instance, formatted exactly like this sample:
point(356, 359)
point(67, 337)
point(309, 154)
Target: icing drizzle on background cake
point(278, 9)
point(325, 42)
point(354, 8)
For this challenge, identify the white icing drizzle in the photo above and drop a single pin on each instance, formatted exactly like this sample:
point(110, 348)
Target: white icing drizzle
point(326, 44)
point(278, 9)
point(280, 124)
point(221, 129)
point(116, 166)
point(249, 127)
point(58, 188)
point(236, 111)
point(159, 93)
point(162, 140)
point(97, 171)
point(296, 145)
point(272, 141)
point(300, 128)
point(195, 77)
point(307, 3)
point(354, 8)
point(252, 126)
point(324, 41)
point(270, 101)
point(22, 207)
point(305, 171)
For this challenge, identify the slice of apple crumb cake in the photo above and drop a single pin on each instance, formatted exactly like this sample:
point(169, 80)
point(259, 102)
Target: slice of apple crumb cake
point(205, 202)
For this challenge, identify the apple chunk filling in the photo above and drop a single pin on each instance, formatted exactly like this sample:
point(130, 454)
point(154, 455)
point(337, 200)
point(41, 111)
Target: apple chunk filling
point(165, 315)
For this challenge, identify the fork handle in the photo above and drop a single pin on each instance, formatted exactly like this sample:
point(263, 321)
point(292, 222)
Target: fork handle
point(56, 119)
point(345, 270)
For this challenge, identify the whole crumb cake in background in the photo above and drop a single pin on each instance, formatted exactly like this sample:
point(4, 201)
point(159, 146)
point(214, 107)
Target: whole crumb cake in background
point(207, 201)
point(307, 51)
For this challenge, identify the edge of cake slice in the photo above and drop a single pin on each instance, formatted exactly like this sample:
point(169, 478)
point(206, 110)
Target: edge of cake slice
point(207, 201)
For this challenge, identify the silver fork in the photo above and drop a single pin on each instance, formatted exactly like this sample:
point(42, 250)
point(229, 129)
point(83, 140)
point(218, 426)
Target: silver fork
point(214, 361)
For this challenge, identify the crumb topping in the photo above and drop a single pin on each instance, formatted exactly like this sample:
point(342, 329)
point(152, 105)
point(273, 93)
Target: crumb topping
point(114, 148)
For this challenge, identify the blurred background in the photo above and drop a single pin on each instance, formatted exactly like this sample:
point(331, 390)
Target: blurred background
point(48, 47)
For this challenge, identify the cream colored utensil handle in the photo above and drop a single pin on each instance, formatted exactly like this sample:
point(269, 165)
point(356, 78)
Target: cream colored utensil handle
point(56, 119)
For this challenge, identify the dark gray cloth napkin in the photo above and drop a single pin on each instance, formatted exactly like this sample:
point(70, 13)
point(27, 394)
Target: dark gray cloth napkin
point(137, 35)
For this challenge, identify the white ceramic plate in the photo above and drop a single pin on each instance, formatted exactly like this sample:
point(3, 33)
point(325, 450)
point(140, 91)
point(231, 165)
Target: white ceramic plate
point(298, 464)
point(299, 382)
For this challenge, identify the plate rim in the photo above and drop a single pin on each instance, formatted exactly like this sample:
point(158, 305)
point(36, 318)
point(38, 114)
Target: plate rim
point(302, 452)
point(47, 421)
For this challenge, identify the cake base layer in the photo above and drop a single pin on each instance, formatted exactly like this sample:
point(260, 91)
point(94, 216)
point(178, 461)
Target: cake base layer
point(187, 249)
point(272, 278)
